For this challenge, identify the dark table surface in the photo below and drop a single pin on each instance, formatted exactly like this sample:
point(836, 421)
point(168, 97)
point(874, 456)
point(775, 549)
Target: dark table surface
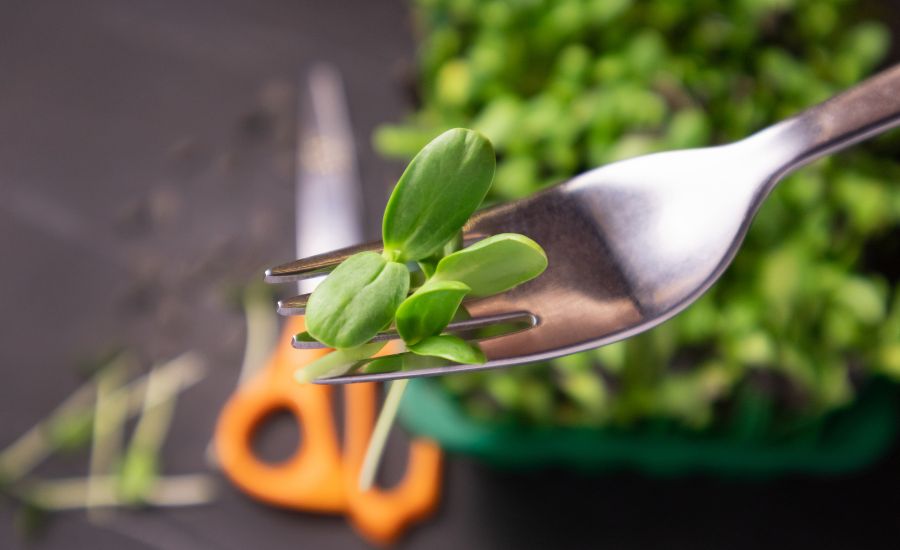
point(146, 167)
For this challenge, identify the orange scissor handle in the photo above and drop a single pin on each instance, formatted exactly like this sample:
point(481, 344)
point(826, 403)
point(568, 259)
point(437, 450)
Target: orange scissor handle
point(383, 514)
point(319, 477)
point(312, 478)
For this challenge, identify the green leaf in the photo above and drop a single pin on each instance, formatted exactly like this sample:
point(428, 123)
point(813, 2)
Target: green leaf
point(356, 300)
point(337, 362)
point(440, 189)
point(391, 363)
point(428, 265)
point(304, 337)
point(495, 264)
point(398, 362)
point(451, 348)
point(429, 309)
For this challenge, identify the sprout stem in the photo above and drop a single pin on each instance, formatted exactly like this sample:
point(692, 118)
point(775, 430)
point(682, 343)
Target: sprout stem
point(262, 334)
point(72, 493)
point(380, 434)
point(35, 445)
point(159, 400)
point(337, 362)
point(110, 412)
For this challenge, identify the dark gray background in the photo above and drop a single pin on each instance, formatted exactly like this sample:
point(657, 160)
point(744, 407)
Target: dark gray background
point(146, 168)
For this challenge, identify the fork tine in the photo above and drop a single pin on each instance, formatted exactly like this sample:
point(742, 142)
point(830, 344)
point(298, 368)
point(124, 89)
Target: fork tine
point(295, 305)
point(314, 266)
point(457, 327)
point(322, 264)
point(448, 368)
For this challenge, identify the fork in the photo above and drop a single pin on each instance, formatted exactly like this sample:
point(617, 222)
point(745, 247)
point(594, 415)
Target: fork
point(632, 243)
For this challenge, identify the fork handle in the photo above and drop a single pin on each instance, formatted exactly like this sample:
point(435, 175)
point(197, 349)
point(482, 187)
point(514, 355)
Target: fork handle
point(863, 111)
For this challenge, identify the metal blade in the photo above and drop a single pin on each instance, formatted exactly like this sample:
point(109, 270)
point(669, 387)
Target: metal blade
point(449, 368)
point(516, 321)
point(328, 192)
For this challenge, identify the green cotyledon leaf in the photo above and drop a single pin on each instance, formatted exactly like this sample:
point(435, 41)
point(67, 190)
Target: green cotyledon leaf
point(400, 361)
point(440, 189)
point(337, 362)
point(428, 265)
point(452, 348)
point(494, 265)
point(356, 300)
point(429, 309)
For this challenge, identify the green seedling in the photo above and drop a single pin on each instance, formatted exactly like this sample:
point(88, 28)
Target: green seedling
point(337, 362)
point(49, 435)
point(494, 265)
point(429, 309)
point(73, 431)
point(438, 192)
point(440, 189)
point(94, 415)
point(390, 363)
point(452, 348)
point(356, 300)
point(428, 265)
point(400, 361)
point(70, 425)
point(110, 413)
point(140, 465)
point(137, 475)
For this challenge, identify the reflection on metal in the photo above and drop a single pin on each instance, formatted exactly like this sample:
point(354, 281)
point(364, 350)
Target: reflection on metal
point(328, 204)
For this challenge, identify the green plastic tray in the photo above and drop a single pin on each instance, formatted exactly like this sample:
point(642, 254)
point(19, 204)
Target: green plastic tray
point(842, 441)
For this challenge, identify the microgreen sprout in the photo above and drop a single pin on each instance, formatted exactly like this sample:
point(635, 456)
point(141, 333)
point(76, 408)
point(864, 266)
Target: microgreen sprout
point(94, 415)
point(110, 413)
point(440, 189)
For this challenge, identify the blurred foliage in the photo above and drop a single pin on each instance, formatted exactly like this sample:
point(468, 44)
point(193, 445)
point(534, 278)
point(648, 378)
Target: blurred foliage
point(808, 310)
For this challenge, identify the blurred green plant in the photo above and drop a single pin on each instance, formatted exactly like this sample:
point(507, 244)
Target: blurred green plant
point(806, 313)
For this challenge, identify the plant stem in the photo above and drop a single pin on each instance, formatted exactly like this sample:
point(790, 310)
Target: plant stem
point(337, 362)
point(140, 465)
point(159, 401)
point(68, 494)
point(262, 334)
point(35, 445)
point(110, 412)
point(377, 442)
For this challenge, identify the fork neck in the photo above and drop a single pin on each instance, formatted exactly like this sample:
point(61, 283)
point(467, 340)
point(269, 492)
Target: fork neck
point(865, 110)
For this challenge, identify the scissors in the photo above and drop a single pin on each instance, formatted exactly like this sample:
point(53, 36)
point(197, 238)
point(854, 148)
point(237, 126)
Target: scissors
point(322, 475)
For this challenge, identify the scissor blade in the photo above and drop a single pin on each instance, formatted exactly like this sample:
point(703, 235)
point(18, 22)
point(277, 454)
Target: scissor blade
point(328, 206)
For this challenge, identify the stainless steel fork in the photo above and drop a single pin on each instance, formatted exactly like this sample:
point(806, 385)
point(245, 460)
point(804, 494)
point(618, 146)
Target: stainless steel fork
point(635, 242)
